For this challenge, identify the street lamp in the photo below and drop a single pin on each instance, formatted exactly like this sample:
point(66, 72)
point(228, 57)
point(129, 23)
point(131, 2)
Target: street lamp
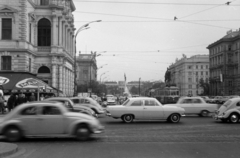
point(103, 74)
point(83, 27)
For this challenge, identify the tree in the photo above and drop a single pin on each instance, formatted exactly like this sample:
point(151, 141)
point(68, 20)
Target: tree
point(134, 90)
point(205, 85)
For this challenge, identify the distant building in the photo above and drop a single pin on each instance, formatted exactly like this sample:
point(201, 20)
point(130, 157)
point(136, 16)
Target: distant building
point(37, 36)
point(187, 72)
point(224, 57)
point(86, 66)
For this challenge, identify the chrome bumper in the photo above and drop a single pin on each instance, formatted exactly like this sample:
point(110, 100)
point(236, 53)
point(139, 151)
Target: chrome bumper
point(99, 130)
point(216, 117)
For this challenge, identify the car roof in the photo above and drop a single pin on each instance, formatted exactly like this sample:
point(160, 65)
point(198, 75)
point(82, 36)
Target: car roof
point(58, 98)
point(138, 98)
point(191, 97)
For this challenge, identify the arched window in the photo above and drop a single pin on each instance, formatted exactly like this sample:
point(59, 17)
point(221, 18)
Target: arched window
point(44, 32)
point(43, 69)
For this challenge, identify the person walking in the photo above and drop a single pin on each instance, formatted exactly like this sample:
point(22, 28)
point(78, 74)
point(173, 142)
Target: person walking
point(1, 103)
point(32, 98)
point(11, 102)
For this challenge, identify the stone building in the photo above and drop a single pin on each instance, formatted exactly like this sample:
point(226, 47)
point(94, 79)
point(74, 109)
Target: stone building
point(224, 57)
point(187, 72)
point(86, 68)
point(37, 36)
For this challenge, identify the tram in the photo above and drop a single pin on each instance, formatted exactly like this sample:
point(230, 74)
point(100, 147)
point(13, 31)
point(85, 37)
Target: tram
point(167, 95)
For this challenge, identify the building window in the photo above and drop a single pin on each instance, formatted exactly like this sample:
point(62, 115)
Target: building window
point(201, 66)
point(196, 73)
point(44, 69)
point(206, 66)
point(189, 67)
point(230, 83)
point(196, 66)
point(6, 29)
point(30, 33)
point(189, 79)
point(206, 72)
point(6, 62)
point(201, 72)
point(44, 32)
point(44, 2)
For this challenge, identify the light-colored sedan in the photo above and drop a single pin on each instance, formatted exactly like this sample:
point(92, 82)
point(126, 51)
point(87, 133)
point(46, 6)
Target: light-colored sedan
point(143, 108)
point(87, 102)
point(195, 105)
point(47, 119)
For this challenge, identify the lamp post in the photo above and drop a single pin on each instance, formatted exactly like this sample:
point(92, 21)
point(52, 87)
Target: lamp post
point(139, 87)
point(83, 27)
point(103, 74)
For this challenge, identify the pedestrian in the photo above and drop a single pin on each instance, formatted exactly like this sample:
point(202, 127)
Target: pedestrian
point(42, 97)
point(32, 98)
point(1, 103)
point(16, 101)
point(21, 99)
point(11, 102)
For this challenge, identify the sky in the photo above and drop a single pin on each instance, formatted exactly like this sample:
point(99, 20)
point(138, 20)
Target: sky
point(140, 38)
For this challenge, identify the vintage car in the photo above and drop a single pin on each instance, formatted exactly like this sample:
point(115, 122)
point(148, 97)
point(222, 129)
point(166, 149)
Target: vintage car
point(229, 111)
point(71, 107)
point(195, 105)
point(87, 102)
point(47, 119)
point(111, 100)
point(144, 108)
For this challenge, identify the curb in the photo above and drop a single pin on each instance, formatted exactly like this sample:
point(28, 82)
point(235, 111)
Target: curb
point(7, 149)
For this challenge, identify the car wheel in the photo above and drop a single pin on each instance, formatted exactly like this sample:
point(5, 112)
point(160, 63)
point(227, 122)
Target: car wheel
point(174, 118)
point(234, 118)
point(82, 132)
point(204, 113)
point(128, 118)
point(13, 134)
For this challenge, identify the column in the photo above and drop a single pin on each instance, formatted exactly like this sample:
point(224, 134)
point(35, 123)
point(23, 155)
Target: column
point(63, 34)
point(60, 77)
point(60, 31)
point(55, 30)
point(63, 80)
point(54, 75)
point(71, 50)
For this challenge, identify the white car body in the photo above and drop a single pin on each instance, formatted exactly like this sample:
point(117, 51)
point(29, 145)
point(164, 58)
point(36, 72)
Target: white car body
point(195, 105)
point(111, 100)
point(88, 102)
point(229, 111)
point(143, 108)
point(46, 119)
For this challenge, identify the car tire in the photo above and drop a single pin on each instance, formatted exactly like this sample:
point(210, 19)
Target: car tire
point(82, 132)
point(234, 118)
point(174, 118)
point(204, 113)
point(13, 134)
point(127, 118)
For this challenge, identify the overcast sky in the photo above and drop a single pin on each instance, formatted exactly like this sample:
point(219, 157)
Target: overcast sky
point(141, 37)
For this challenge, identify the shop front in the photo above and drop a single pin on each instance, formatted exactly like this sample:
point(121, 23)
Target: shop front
point(25, 83)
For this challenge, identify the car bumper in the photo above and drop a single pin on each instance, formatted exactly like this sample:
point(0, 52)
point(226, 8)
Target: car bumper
point(98, 130)
point(216, 117)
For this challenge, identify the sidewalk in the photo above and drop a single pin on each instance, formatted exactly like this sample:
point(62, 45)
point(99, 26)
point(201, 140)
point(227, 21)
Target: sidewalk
point(7, 149)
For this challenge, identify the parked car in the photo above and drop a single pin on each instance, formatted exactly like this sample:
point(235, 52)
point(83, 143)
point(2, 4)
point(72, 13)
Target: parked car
point(206, 98)
point(71, 107)
point(229, 111)
point(111, 100)
point(195, 105)
point(47, 119)
point(87, 102)
point(217, 100)
point(144, 108)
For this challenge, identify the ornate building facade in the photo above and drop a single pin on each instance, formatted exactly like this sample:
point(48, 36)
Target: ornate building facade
point(224, 57)
point(37, 36)
point(187, 72)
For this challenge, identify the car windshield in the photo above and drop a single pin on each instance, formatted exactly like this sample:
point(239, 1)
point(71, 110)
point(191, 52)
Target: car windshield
point(227, 103)
point(125, 103)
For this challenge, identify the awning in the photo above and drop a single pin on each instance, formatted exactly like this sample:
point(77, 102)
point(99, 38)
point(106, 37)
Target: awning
point(17, 82)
